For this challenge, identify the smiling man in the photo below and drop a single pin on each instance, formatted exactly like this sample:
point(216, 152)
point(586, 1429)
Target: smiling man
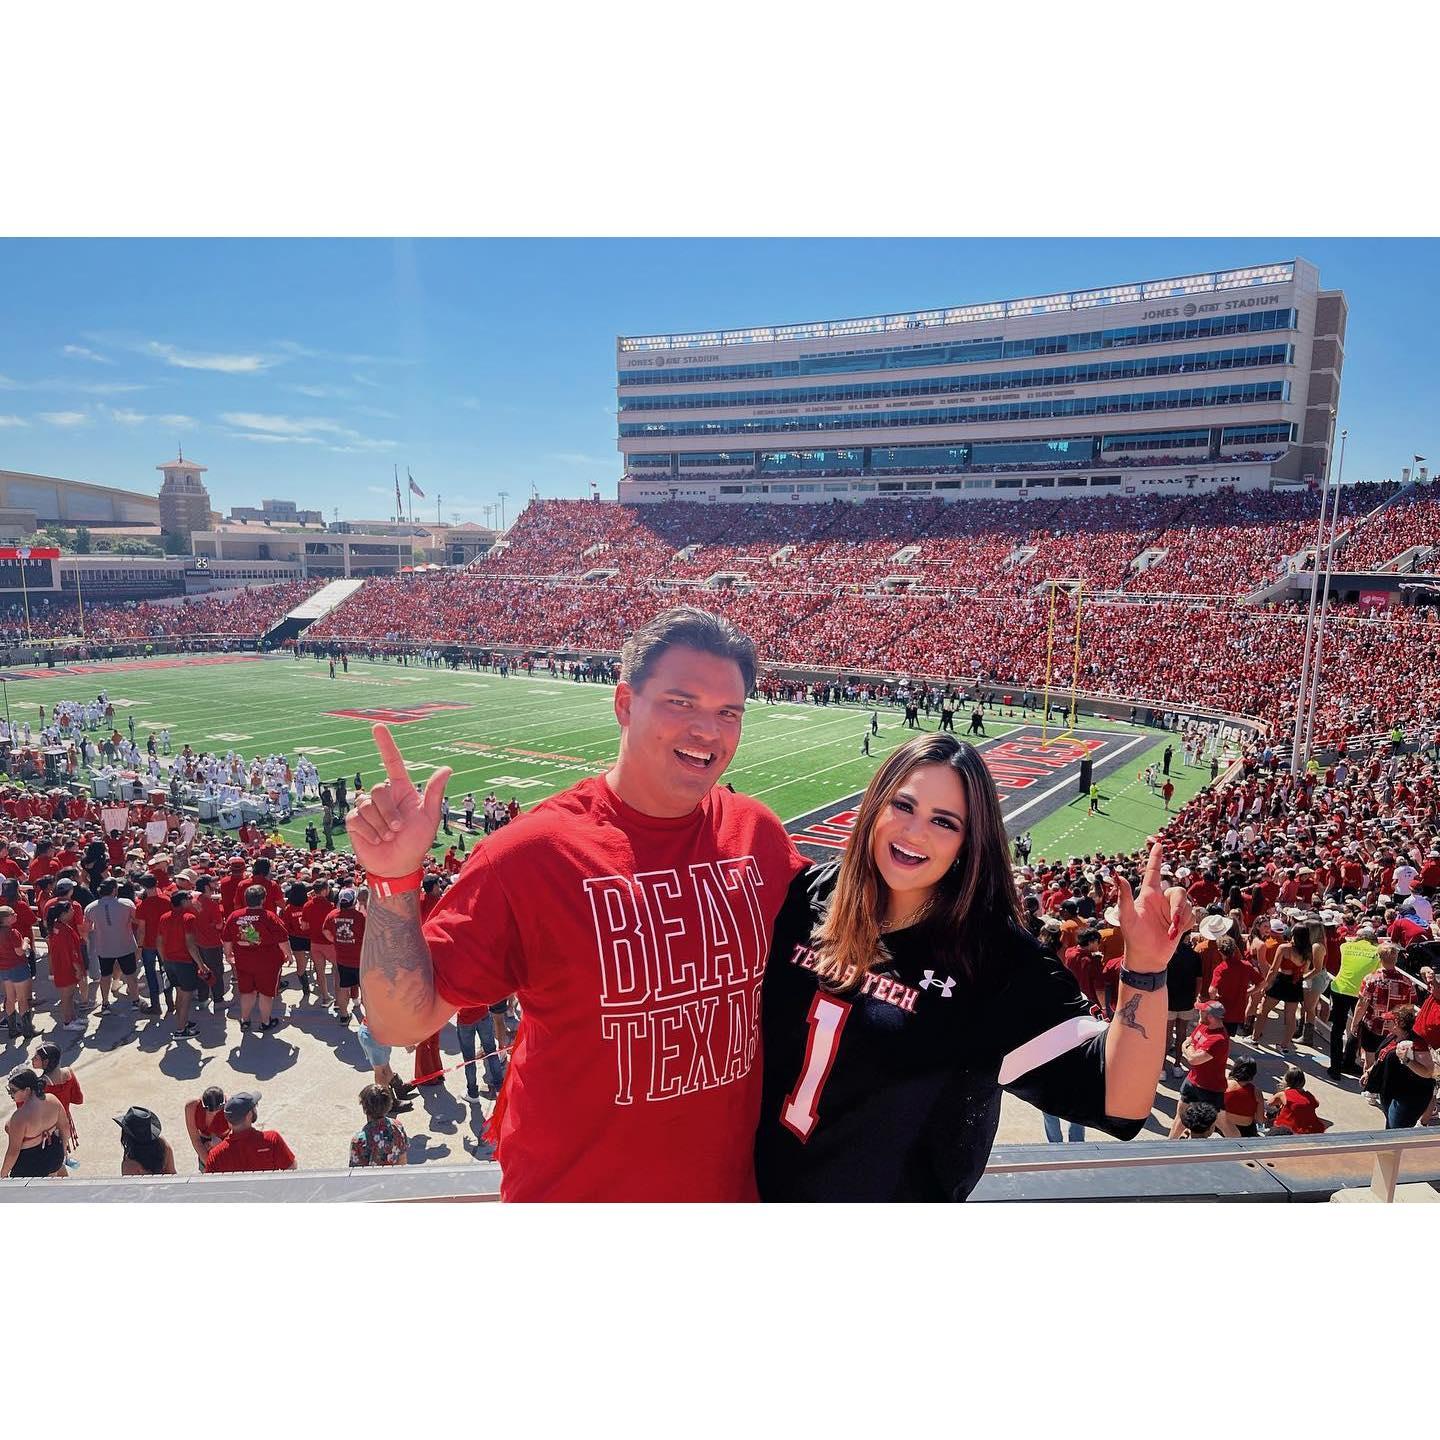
point(632, 916)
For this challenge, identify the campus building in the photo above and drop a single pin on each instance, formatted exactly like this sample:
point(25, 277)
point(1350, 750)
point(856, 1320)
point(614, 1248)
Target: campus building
point(1203, 382)
point(184, 500)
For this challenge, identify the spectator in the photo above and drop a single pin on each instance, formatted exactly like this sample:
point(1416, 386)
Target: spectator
point(1196, 1121)
point(37, 1134)
point(1243, 1101)
point(472, 1023)
point(145, 1149)
point(1381, 992)
point(1293, 1109)
point(16, 974)
point(256, 945)
point(1358, 957)
point(1205, 1052)
point(381, 1140)
point(247, 1148)
point(205, 1122)
point(61, 1083)
point(1403, 1072)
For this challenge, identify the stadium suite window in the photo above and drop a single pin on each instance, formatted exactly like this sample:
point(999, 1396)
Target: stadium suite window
point(841, 362)
point(1093, 372)
point(1258, 392)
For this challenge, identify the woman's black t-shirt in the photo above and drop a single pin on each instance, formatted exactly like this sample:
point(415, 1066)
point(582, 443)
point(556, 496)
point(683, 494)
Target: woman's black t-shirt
point(891, 1091)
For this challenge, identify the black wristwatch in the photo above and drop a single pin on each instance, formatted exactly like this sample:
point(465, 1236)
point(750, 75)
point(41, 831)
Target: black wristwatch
point(1137, 980)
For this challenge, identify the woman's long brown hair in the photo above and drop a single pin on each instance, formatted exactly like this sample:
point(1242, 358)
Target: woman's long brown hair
point(975, 898)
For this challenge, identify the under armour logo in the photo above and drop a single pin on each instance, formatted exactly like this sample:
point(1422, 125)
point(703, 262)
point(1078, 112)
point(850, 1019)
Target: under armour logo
point(945, 986)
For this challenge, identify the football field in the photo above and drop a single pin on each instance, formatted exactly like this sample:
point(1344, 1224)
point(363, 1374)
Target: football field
point(531, 737)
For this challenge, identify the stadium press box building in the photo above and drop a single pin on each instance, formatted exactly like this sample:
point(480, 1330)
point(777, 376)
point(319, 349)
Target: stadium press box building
point(1228, 380)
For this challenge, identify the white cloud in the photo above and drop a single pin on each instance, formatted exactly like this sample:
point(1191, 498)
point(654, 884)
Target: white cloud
point(134, 417)
point(302, 430)
point(321, 392)
point(11, 421)
point(75, 387)
point(79, 352)
point(375, 413)
point(284, 424)
point(65, 419)
point(226, 364)
point(265, 439)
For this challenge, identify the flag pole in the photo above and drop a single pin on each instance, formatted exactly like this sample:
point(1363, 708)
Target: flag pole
point(24, 554)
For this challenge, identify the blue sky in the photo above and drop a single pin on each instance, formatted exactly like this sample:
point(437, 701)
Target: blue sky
point(306, 369)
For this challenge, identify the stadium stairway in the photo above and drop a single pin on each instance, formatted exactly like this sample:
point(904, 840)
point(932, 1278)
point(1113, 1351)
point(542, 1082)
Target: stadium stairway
point(308, 612)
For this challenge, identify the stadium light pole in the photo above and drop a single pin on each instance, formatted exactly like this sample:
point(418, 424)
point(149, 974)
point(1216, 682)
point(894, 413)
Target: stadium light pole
point(1325, 601)
point(504, 496)
point(1301, 693)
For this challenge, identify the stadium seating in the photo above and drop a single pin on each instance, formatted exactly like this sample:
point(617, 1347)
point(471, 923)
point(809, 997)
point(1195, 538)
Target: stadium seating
point(242, 615)
point(1219, 544)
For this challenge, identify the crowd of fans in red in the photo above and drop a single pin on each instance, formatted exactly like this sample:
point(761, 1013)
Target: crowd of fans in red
point(243, 614)
point(1217, 544)
point(1415, 520)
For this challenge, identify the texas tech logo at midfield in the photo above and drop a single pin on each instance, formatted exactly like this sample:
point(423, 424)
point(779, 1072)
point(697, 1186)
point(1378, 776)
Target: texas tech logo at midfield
point(681, 958)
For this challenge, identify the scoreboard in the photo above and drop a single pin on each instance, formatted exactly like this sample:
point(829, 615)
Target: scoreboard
point(29, 568)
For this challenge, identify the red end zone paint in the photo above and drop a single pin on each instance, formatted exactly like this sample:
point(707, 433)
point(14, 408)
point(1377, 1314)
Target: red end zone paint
point(830, 834)
point(399, 715)
point(116, 667)
point(1018, 764)
point(1013, 765)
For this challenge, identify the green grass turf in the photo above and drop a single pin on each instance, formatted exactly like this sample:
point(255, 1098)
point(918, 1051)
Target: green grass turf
point(796, 758)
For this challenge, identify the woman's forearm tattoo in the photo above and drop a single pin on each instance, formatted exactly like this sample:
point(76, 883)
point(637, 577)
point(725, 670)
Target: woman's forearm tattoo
point(1127, 1014)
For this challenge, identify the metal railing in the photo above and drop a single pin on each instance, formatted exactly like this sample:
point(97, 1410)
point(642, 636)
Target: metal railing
point(1300, 1168)
point(1127, 294)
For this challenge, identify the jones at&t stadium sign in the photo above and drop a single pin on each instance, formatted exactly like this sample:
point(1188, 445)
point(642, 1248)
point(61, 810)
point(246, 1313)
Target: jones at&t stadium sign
point(1211, 307)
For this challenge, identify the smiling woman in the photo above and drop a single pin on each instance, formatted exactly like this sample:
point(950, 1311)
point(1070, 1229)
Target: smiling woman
point(903, 994)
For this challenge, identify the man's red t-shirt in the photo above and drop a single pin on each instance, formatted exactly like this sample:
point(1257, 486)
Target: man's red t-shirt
point(249, 1150)
point(1231, 981)
point(637, 946)
point(151, 909)
point(345, 930)
point(313, 914)
point(115, 848)
point(173, 930)
point(209, 917)
point(1210, 1073)
point(232, 892)
point(257, 937)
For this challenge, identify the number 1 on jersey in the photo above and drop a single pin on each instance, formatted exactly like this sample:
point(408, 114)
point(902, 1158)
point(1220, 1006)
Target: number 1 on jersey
point(801, 1112)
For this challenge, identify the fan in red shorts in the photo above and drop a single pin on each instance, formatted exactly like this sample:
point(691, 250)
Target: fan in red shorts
point(256, 945)
point(344, 928)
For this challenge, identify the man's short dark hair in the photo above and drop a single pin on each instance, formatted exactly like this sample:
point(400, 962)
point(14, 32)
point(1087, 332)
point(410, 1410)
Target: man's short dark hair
point(694, 630)
point(1199, 1118)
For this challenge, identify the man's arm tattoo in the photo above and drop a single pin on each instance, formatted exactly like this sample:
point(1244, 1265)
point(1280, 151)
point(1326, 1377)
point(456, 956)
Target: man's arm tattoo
point(1126, 1014)
point(395, 951)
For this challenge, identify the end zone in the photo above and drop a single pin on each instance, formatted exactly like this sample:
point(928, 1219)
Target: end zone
point(1020, 762)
